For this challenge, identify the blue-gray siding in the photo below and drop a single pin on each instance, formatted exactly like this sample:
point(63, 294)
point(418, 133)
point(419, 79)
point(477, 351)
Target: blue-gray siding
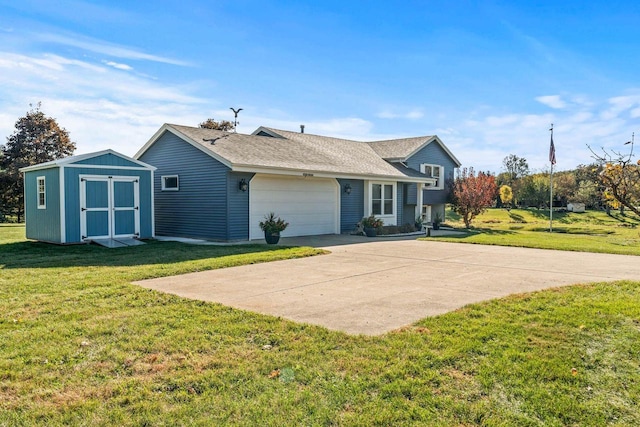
point(237, 206)
point(407, 209)
point(72, 198)
point(200, 207)
point(43, 224)
point(351, 205)
point(433, 154)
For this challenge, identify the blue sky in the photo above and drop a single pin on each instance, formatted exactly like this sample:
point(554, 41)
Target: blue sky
point(487, 77)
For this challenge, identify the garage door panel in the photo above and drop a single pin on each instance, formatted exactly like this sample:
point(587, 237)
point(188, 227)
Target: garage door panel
point(309, 205)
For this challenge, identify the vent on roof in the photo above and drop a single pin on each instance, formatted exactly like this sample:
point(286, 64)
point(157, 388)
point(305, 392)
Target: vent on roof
point(301, 128)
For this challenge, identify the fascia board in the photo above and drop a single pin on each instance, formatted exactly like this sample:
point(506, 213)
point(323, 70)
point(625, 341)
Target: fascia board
point(324, 174)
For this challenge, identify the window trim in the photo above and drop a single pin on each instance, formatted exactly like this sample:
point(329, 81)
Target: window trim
point(42, 192)
point(439, 180)
point(382, 199)
point(163, 179)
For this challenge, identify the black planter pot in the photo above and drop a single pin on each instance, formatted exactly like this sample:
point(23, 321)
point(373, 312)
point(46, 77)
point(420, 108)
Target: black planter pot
point(272, 238)
point(370, 232)
point(436, 226)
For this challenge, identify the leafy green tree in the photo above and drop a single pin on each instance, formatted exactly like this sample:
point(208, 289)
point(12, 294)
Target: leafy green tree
point(37, 139)
point(472, 194)
point(564, 186)
point(588, 193)
point(535, 190)
point(223, 125)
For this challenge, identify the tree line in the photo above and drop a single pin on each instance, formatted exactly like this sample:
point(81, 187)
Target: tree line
point(612, 181)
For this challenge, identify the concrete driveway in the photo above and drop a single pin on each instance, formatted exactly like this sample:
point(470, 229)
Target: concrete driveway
point(376, 286)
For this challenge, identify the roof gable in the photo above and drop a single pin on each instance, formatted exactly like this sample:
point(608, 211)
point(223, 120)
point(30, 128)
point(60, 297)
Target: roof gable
point(105, 158)
point(401, 150)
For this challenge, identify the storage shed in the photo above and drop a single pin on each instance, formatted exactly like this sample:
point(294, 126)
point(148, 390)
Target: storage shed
point(105, 197)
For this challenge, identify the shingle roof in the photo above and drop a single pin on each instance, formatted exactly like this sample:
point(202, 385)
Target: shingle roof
point(399, 148)
point(392, 149)
point(294, 151)
point(304, 152)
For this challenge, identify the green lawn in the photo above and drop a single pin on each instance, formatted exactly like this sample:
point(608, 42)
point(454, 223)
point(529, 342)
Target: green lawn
point(586, 232)
point(80, 345)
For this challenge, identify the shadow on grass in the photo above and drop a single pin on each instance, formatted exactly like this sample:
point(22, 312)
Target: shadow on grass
point(575, 230)
point(516, 217)
point(476, 231)
point(44, 255)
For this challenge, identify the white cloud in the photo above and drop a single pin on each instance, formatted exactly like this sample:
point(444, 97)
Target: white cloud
point(110, 49)
point(98, 105)
point(413, 114)
point(118, 66)
point(553, 101)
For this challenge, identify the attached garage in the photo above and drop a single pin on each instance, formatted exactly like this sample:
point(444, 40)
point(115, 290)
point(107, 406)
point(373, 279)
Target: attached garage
point(310, 205)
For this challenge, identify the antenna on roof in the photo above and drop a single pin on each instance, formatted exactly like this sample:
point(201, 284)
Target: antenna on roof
point(235, 120)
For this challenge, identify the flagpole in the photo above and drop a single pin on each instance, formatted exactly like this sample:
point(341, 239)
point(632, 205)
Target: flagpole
point(552, 159)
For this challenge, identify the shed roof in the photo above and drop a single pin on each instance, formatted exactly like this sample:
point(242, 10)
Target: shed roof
point(66, 161)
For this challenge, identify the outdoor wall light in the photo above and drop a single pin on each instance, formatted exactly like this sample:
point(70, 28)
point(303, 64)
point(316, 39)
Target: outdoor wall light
point(347, 188)
point(243, 185)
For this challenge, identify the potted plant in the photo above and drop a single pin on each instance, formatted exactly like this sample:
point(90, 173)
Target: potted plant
point(371, 225)
point(437, 219)
point(272, 226)
point(418, 223)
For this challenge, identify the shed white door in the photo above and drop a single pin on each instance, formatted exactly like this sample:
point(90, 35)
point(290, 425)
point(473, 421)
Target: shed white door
point(310, 205)
point(109, 207)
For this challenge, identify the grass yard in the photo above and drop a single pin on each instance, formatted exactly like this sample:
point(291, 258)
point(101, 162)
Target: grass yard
point(586, 232)
point(80, 345)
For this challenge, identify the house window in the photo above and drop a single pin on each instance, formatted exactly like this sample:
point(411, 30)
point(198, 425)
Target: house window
point(42, 193)
point(434, 171)
point(382, 199)
point(170, 183)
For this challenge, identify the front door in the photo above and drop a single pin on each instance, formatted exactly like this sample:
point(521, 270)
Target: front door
point(109, 207)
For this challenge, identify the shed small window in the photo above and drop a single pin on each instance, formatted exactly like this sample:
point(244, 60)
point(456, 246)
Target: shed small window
point(170, 183)
point(42, 193)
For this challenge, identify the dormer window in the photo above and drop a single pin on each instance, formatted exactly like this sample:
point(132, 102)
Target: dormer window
point(434, 171)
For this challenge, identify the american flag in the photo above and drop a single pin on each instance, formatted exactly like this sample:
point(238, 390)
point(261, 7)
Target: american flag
point(552, 152)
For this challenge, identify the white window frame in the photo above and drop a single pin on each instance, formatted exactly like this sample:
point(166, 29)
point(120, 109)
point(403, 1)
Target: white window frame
point(41, 191)
point(439, 179)
point(163, 179)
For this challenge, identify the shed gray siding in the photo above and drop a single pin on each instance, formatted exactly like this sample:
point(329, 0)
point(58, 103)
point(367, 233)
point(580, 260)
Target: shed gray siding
point(107, 160)
point(351, 205)
point(43, 224)
point(200, 207)
point(436, 155)
point(237, 206)
point(72, 197)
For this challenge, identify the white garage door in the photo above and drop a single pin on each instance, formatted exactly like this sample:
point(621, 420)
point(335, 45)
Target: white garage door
point(309, 205)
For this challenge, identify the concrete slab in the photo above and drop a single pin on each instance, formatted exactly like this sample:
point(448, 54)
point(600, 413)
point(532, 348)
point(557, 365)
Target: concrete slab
point(374, 286)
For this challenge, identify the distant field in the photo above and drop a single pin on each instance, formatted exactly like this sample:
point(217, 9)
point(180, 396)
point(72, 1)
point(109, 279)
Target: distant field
point(80, 345)
point(592, 231)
